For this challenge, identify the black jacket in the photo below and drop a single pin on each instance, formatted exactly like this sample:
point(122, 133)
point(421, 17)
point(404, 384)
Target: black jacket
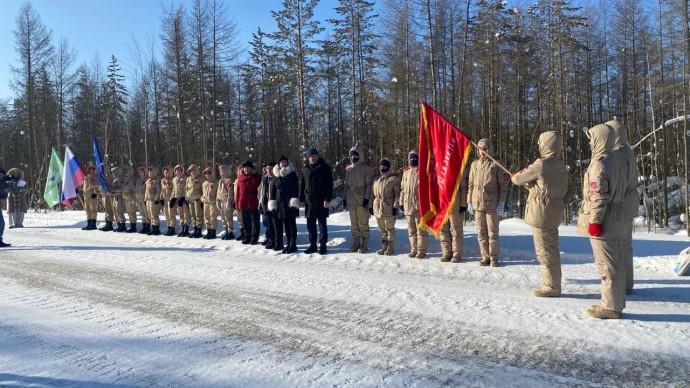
point(317, 187)
point(284, 187)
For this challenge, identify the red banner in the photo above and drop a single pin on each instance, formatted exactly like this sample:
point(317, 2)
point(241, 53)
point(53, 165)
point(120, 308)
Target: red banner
point(443, 154)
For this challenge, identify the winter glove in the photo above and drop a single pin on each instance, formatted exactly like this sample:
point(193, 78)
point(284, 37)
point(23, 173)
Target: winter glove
point(500, 208)
point(180, 202)
point(596, 229)
point(344, 203)
point(365, 203)
point(470, 209)
point(201, 204)
point(371, 211)
point(234, 206)
point(402, 209)
point(463, 209)
point(395, 211)
point(172, 202)
point(94, 195)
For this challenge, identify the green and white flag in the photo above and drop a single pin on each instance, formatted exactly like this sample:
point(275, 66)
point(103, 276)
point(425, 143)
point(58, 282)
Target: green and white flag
point(52, 191)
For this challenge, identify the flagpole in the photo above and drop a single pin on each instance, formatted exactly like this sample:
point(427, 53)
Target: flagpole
point(492, 158)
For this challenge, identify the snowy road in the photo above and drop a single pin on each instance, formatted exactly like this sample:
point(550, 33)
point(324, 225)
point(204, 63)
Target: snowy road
point(122, 310)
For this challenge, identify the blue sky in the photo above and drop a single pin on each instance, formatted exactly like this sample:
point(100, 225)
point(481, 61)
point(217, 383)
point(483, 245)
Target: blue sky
point(104, 27)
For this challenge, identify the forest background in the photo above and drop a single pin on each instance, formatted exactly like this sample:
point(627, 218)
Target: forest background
point(502, 70)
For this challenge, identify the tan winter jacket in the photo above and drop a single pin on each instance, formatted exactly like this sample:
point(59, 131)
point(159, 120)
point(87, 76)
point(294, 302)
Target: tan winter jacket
point(194, 184)
point(179, 184)
point(488, 183)
point(129, 189)
point(118, 184)
point(603, 187)
point(548, 183)
point(167, 186)
point(226, 187)
point(153, 187)
point(140, 187)
point(627, 158)
point(386, 194)
point(358, 182)
point(409, 191)
point(91, 185)
point(208, 190)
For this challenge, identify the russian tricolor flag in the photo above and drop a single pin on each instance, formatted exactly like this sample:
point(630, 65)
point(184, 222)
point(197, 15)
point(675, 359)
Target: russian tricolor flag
point(72, 177)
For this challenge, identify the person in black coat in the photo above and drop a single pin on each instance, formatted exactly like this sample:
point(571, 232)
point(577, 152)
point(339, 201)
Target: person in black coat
point(268, 219)
point(284, 204)
point(316, 192)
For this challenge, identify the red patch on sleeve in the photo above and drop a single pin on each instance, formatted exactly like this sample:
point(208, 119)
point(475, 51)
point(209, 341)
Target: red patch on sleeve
point(594, 187)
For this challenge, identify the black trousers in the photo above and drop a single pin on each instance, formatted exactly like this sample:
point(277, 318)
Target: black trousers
point(290, 224)
point(252, 224)
point(323, 230)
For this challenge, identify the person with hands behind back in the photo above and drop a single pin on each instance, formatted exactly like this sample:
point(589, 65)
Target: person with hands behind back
point(386, 192)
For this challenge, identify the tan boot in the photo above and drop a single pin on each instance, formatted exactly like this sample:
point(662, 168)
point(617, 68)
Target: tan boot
point(355, 247)
point(445, 258)
point(484, 262)
point(546, 292)
point(456, 259)
point(364, 248)
point(389, 249)
point(421, 255)
point(494, 263)
point(412, 254)
point(384, 244)
point(602, 313)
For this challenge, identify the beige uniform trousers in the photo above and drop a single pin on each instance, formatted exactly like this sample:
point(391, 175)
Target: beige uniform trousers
point(359, 222)
point(154, 212)
point(170, 214)
point(131, 207)
point(627, 255)
point(548, 255)
point(108, 206)
point(184, 213)
point(386, 228)
point(240, 219)
point(419, 238)
point(196, 213)
point(607, 257)
point(91, 207)
point(141, 206)
point(118, 205)
point(452, 237)
point(226, 215)
point(487, 234)
point(211, 215)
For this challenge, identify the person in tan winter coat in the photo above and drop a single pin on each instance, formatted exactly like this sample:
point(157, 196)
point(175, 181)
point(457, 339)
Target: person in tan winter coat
point(487, 189)
point(130, 198)
point(209, 190)
point(409, 204)
point(602, 217)
point(90, 188)
point(550, 190)
point(225, 197)
point(179, 200)
point(169, 205)
point(107, 200)
point(627, 158)
point(117, 201)
point(152, 197)
point(139, 191)
point(194, 183)
point(452, 233)
point(358, 186)
point(386, 192)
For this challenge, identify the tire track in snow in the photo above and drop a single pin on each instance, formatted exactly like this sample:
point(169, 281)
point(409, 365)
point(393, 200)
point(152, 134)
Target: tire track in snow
point(342, 331)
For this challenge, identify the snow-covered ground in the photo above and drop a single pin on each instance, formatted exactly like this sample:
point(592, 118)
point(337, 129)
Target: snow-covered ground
point(110, 309)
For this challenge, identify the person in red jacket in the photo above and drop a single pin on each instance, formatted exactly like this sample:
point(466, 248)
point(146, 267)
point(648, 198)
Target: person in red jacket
point(247, 202)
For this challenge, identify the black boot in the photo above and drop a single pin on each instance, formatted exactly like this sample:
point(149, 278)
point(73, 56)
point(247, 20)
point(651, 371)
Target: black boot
point(271, 244)
point(108, 227)
point(132, 227)
point(228, 235)
point(312, 249)
point(197, 232)
point(170, 231)
point(241, 236)
point(146, 229)
point(184, 232)
point(4, 244)
point(88, 223)
point(155, 230)
point(279, 246)
point(322, 249)
point(292, 246)
point(121, 228)
point(193, 232)
point(210, 234)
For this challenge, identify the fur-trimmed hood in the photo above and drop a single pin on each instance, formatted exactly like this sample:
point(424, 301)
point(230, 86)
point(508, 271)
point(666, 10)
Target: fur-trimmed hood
point(283, 172)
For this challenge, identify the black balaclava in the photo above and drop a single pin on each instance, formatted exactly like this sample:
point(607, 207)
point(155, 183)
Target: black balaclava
point(354, 156)
point(414, 159)
point(384, 165)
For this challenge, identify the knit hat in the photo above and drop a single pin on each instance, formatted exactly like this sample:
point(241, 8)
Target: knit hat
point(270, 164)
point(412, 154)
point(385, 162)
point(283, 157)
point(2, 171)
point(311, 152)
point(248, 163)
